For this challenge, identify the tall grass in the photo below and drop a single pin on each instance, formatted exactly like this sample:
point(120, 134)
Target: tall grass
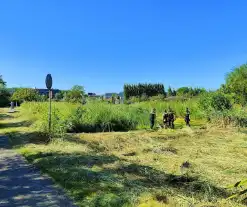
point(102, 117)
point(99, 116)
point(178, 106)
point(93, 117)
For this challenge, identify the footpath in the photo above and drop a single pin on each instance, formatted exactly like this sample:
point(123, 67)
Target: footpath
point(23, 185)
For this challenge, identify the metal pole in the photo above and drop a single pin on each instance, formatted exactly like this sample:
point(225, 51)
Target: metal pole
point(49, 121)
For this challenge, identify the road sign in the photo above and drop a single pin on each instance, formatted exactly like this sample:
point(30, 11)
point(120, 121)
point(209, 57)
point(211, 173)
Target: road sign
point(48, 81)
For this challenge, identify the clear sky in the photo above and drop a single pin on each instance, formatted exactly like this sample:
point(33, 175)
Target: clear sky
point(106, 43)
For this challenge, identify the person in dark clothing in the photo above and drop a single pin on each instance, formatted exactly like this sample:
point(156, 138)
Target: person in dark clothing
point(171, 118)
point(165, 119)
point(187, 117)
point(152, 118)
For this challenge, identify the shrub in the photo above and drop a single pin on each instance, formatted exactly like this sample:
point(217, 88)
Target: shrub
point(134, 99)
point(4, 97)
point(214, 101)
point(220, 102)
point(25, 94)
point(160, 97)
point(144, 97)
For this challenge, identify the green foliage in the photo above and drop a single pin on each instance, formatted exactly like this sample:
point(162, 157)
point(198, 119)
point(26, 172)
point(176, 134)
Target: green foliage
point(99, 116)
point(158, 98)
point(220, 102)
point(214, 101)
point(220, 111)
point(169, 92)
point(183, 91)
point(241, 188)
point(236, 82)
point(144, 97)
point(42, 98)
point(75, 95)
point(223, 89)
point(2, 82)
point(174, 92)
point(25, 94)
point(93, 117)
point(4, 97)
point(4, 94)
point(189, 91)
point(140, 89)
point(59, 96)
point(134, 99)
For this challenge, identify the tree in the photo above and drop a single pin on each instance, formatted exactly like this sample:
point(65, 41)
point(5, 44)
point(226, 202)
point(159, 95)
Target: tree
point(169, 91)
point(2, 82)
point(183, 91)
point(76, 94)
point(59, 96)
point(25, 94)
point(214, 101)
point(4, 94)
point(42, 98)
point(236, 82)
point(174, 92)
point(138, 89)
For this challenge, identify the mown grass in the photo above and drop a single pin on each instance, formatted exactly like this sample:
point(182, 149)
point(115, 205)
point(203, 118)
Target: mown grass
point(140, 168)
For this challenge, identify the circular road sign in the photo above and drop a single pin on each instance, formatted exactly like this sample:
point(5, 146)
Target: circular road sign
point(48, 81)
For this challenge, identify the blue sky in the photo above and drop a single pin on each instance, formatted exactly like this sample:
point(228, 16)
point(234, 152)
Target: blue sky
point(104, 44)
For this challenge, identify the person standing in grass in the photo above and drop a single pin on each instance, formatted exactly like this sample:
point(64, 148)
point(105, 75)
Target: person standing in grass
point(171, 118)
point(187, 117)
point(152, 118)
point(165, 119)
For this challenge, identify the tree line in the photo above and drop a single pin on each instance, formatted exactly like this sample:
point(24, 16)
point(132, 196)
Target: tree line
point(234, 89)
point(145, 91)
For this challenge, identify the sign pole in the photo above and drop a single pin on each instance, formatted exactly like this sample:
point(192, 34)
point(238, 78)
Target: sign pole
point(49, 119)
point(48, 82)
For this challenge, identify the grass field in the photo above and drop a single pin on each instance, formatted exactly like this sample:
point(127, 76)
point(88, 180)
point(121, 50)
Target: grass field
point(102, 117)
point(137, 168)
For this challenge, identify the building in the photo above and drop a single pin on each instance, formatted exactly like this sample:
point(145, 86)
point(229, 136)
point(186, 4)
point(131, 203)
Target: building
point(93, 95)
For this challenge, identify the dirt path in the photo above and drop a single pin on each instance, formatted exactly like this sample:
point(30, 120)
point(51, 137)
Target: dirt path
point(23, 185)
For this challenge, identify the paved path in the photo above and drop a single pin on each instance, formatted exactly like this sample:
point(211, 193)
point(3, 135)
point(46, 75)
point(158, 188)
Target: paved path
point(23, 185)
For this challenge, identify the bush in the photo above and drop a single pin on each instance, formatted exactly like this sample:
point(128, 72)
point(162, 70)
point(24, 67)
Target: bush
point(220, 102)
point(134, 99)
point(160, 97)
point(214, 101)
point(144, 97)
point(25, 94)
point(4, 98)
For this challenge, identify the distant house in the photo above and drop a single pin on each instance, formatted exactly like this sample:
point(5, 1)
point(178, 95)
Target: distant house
point(93, 95)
